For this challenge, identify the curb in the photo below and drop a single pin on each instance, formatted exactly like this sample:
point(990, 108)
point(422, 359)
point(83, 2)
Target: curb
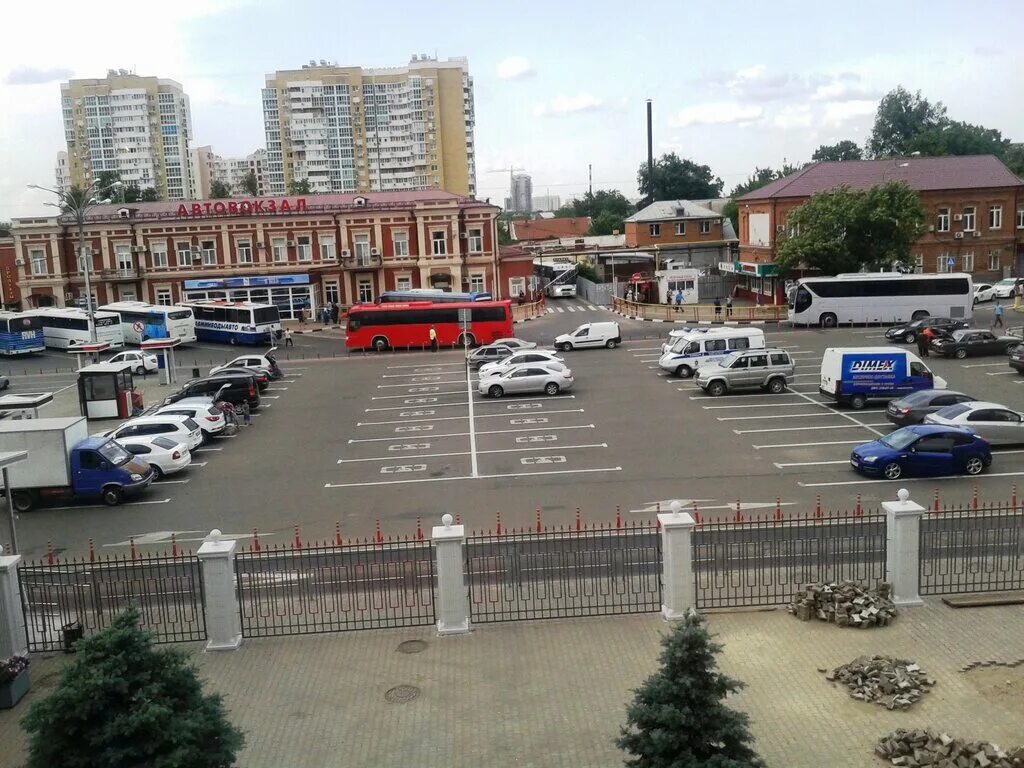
point(698, 322)
point(318, 330)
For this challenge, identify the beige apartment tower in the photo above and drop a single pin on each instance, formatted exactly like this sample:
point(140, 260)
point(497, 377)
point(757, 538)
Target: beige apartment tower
point(139, 127)
point(348, 129)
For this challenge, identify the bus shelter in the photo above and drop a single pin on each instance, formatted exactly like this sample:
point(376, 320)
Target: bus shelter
point(164, 351)
point(105, 390)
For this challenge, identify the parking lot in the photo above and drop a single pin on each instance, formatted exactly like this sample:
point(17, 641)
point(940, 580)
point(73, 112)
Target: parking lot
point(353, 439)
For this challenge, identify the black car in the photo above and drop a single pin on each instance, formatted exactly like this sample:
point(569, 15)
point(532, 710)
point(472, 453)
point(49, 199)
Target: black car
point(914, 407)
point(1017, 359)
point(908, 332)
point(262, 377)
point(240, 388)
point(969, 342)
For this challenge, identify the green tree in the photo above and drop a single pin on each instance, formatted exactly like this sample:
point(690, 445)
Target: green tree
point(121, 703)
point(958, 138)
point(607, 223)
point(678, 179)
point(901, 116)
point(149, 195)
point(219, 190)
point(129, 193)
point(607, 208)
point(249, 183)
point(504, 238)
point(844, 150)
point(678, 717)
point(299, 187)
point(105, 181)
point(1014, 158)
point(846, 230)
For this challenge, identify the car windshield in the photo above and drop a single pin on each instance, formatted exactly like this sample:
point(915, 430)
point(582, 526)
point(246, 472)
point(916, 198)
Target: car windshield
point(114, 453)
point(952, 411)
point(899, 439)
point(730, 359)
point(163, 442)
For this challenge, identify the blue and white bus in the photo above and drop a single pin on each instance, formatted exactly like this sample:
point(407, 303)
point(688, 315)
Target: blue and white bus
point(20, 334)
point(141, 321)
point(434, 296)
point(235, 322)
point(69, 326)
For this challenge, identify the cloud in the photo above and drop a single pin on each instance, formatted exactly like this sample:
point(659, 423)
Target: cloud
point(560, 106)
point(839, 112)
point(33, 76)
point(515, 68)
point(715, 113)
point(756, 83)
point(793, 116)
point(841, 90)
point(987, 50)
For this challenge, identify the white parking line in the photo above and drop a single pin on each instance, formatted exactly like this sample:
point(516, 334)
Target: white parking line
point(407, 406)
point(423, 375)
point(983, 365)
point(807, 445)
point(758, 405)
point(198, 464)
point(531, 449)
point(778, 416)
point(479, 477)
point(270, 397)
point(808, 429)
point(782, 465)
point(277, 389)
point(910, 479)
point(171, 482)
point(126, 504)
point(466, 434)
point(474, 468)
point(428, 365)
point(1002, 373)
point(432, 394)
point(806, 375)
point(417, 387)
point(452, 418)
point(203, 450)
point(765, 396)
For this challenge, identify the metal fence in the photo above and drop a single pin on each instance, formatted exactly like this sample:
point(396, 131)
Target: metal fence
point(66, 599)
point(764, 561)
point(972, 550)
point(304, 590)
point(595, 293)
point(561, 574)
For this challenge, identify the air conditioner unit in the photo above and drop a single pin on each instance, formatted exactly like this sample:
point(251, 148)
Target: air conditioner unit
point(977, 233)
point(345, 253)
point(780, 228)
point(931, 227)
point(290, 243)
point(375, 251)
point(959, 236)
point(958, 217)
point(463, 235)
point(138, 249)
point(19, 262)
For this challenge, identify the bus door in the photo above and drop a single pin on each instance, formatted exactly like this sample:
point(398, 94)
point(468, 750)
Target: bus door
point(156, 328)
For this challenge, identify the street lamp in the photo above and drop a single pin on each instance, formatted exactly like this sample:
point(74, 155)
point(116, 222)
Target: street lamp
point(78, 202)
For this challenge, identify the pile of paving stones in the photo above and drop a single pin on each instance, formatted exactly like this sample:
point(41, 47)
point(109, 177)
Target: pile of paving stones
point(892, 683)
point(845, 603)
point(937, 750)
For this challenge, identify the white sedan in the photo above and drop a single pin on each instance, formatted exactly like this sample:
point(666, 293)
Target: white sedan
point(983, 292)
point(514, 343)
point(995, 423)
point(142, 362)
point(541, 356)
point(1005, 288)
point(166, 455)
point(526, 379)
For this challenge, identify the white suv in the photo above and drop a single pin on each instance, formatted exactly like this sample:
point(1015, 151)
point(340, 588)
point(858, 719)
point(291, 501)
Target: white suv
point(181, 428)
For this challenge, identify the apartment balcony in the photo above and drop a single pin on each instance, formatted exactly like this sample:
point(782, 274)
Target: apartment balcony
point(362, 262)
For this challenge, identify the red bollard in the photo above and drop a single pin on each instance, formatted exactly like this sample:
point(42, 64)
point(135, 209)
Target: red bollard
point(174, 546)
point(858, 511)
point(337, 531)
point(499, 522)
point(134, 554)
point(739, 513)
point(419, 529)
point(578, 516)
point(778, 509)
point(92, 552)
point(936, 501)
point(1013, 498)
point(817, 505)
point(256, 539)
point(379, 538)
point(974, 499)
point(49, 553)
point(618, 516)
point(298, 542)
point(538, 520)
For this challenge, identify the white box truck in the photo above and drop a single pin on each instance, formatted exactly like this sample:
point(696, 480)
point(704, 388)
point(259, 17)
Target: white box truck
point(853, 375)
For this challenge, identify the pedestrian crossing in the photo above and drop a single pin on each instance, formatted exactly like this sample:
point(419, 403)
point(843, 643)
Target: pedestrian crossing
point(579, 307)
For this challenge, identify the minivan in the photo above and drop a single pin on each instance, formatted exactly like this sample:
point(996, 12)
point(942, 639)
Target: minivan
point(237, 389)
point(605, 334)
point(695, 349)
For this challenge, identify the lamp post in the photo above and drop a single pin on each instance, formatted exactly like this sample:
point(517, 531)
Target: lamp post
point(78, 202)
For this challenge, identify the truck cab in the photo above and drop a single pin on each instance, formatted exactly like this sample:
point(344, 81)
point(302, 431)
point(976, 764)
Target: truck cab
point(102, 468)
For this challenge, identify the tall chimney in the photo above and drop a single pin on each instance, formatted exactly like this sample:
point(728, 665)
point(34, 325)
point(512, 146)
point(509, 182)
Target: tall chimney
point(650, 154)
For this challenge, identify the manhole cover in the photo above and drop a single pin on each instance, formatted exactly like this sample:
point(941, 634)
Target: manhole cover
point(401, 694)
point(412, 646)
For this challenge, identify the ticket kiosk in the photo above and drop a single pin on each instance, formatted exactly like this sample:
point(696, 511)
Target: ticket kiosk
point(105, 390)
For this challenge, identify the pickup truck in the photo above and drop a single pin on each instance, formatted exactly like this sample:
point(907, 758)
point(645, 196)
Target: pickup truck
point(65, 464)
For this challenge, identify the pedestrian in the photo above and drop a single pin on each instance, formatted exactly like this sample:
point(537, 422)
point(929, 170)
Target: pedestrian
point(998, 312)
point(302, 315)
point(629, 295)
point(433, 339)
point(679, 298)
point(728, 307)
point(668, 297)
point(335, 311)
point(718, 308)
point(246, 413)
point(924, 340)
point(325, 315)
point(288, 342)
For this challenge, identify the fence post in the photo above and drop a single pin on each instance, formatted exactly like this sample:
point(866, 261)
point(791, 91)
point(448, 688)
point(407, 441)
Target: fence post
point(12, 617)
point(678, 583)
point(217, 563)
point(452, 596)
point(902, 548)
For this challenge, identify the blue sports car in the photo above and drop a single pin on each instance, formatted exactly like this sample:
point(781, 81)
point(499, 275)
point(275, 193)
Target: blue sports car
point(923, 450)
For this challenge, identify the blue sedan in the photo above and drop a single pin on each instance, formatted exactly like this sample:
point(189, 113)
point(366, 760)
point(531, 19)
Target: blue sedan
point(923, 450)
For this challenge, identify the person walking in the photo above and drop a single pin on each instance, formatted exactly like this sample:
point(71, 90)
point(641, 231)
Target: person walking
point(679, 298)
point(998, 312)
point(924, 340)
point(718, 308)
point(668, 297)
point(433, 339)
point(335, 312)
point(246, 414)
point(302, 315)
point(288, 341)
point(728, 307)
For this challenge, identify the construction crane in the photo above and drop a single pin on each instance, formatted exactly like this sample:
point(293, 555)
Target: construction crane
point(511, 170)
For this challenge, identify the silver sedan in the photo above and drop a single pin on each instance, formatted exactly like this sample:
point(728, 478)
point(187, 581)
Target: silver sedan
point(995, 423)
point(526, 379)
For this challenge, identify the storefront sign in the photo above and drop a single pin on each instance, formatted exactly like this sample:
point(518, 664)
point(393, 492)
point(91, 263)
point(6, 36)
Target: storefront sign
point(241, 208)
point(246, 282)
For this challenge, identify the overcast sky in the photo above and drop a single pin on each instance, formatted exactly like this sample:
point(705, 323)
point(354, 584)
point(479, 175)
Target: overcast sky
point(558, 86)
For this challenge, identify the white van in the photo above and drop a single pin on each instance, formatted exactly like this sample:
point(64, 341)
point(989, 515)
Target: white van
point(693, 349)
point(562, 290)
point(590, 335)
point(678, 333)
point(853, 375)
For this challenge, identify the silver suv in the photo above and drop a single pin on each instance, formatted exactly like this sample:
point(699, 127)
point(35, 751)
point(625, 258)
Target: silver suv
point(769, 369)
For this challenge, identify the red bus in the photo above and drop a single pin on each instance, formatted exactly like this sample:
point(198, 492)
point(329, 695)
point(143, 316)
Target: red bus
point(401, 325)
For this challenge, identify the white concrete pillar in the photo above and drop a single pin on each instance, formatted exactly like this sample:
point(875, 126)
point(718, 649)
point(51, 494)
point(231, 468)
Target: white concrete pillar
point(12, 617)
point(452, 594)
point(679, 587)
point(217, 562)
point(902, 548)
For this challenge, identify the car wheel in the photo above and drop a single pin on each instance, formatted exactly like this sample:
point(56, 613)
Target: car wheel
point(551, 388)
point(776, 386)
point(910, 338)
point(684, 372)
point(112, 496)
point(566, 347)
point(960, 354)
point(828, 320)
point(974, 466)
point(157, 472)
point(716, 388)
point(140, 371)
point(610, 343)
point(495, 391)
point(232, 340)
point(467, 340)
point(857, 402)
point(380, 344)
point(892, 471)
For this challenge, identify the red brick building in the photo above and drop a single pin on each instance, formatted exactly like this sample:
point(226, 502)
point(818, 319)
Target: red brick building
point(537, 230)
point(294, 252)
point(974, 208)
point(10, 295)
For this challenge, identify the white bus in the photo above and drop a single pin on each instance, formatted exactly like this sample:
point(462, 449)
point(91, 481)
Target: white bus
point(879, 297)
point(141, 321)
point(236, 322)
point(69, 326)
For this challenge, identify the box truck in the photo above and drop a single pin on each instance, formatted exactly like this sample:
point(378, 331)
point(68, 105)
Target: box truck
point(853, 375)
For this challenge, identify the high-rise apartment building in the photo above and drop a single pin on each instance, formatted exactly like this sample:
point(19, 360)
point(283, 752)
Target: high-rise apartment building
point(522, 193)
point(138, 127)
point(348, 129)
point(547, 203)
point(209, 167)
point(61, 172)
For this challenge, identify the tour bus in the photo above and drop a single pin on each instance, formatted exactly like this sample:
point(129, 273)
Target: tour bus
point(67, 327)
point(236, 322)
point(20, 333)
point(880, 297)
point(432, 295)
point(399, 326)
point(141, 321)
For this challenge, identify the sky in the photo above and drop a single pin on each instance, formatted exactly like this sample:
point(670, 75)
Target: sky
point(558, 86)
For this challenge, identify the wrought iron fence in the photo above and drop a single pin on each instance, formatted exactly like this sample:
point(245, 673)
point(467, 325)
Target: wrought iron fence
point(972, 550)
point(330, 588)
point(66, 599)
point(591, 571)
point(765, 560)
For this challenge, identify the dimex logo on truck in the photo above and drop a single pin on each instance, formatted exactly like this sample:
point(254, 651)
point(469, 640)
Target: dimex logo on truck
point(873, 366)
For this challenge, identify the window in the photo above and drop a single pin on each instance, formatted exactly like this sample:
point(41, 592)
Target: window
point(705, 227)
point(362, 248)
point(969, 219)
point(438, 243)
point(715, 345)
point(680, 228)
point(209, 253)
point(163, 296)
point(331, 293)
point(739, 344)
point(942, 263)
point(244, 251)
point(365, 290)
point(655, 230)
point(995, 217)
point(38, 258)
point(400, 240)
point(305, 246)
point(476, 283)
point(969, 262)
point(919, 263)
point(942, 220)
point(516, 286)
point(1020, 218)
point(184, 253)
point(780, 358)
point(403, 283)
point(993, 261)
point(279, 249)
point(758, 361)
point(327, 252)
point(159, 251)
point(476, 241)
